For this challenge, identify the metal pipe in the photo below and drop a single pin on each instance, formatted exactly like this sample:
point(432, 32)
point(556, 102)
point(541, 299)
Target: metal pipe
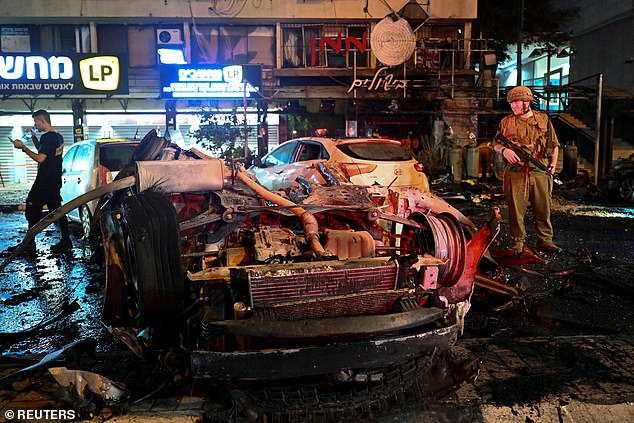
point(598, 129)
point(311, 228)
point(497, 287)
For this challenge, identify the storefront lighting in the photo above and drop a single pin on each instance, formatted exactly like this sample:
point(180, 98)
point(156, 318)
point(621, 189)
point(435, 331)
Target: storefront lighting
point(171, 56)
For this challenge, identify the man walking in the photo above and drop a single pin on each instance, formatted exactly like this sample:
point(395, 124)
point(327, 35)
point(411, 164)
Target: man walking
point(48, 182)
point(524, 183)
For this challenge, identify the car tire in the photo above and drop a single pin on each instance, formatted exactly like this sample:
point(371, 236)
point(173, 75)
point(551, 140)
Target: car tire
point(152, 249)
point(90, 232)
point(85, 218)
point(626, 189)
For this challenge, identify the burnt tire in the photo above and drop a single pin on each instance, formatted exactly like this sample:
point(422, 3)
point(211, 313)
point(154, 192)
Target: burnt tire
point(374, 394)
point(150, 147)
point(152, 249)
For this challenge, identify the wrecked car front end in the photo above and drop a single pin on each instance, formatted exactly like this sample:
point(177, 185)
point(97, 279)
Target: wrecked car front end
point(257, 285)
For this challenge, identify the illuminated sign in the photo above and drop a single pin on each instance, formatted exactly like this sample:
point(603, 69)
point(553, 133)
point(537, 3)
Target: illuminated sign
point(100, 73)
point(200, 81)
point(379, 83)
point(337, 45)
point(63, 74)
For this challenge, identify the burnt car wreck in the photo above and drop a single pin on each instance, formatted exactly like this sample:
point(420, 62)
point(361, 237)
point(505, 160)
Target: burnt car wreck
point(260, 285)
point(364, 287)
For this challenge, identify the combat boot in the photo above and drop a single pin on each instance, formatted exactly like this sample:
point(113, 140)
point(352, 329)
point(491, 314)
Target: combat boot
point(548, 247)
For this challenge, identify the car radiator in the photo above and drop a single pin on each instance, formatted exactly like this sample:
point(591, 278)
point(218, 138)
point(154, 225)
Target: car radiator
point(317, 289)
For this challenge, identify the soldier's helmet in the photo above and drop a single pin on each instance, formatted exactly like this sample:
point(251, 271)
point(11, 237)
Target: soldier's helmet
point(519, 93)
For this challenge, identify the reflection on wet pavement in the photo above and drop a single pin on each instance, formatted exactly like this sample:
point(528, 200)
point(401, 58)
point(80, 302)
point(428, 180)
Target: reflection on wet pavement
point(32, 290)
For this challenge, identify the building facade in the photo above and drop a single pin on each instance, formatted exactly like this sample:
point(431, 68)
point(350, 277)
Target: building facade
point(354, 68)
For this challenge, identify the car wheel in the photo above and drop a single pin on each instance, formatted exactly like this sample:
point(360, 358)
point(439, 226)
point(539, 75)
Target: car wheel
point(152, 248)
point(89, 231)
point(626, 189)
point(85, 218)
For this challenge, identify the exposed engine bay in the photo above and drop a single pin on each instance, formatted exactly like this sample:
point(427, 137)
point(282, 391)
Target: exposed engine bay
point(261, 285)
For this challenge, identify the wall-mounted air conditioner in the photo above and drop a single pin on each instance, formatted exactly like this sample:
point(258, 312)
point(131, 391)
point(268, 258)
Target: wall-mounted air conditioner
point(169, 36)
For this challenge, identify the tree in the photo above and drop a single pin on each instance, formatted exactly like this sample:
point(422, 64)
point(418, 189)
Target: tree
point(298, 126)
point(222, 133)
point(543, 23)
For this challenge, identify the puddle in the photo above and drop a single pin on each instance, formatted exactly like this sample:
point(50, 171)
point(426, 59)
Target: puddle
point(34, 290)
point(599, 211)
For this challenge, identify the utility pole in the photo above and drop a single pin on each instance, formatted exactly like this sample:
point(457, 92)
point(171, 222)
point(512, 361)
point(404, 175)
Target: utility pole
point(520, 30)
point(597, 140)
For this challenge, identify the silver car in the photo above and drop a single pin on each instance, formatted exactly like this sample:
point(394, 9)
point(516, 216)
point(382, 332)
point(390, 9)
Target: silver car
point(88, 165)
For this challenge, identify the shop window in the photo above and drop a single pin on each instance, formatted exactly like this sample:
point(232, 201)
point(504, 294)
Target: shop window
point(64, 38)
point(141, 46)
point(223, 45)
point(136, 41)
point(112, 38)
point(329, 46)
point(15, 39)
point(292, 50)
point(361, 37)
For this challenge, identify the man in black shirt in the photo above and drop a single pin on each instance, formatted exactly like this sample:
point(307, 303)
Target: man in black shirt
point(48, 182)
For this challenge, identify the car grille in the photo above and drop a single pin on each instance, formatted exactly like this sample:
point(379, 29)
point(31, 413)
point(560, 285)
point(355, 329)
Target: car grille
point(324, 288)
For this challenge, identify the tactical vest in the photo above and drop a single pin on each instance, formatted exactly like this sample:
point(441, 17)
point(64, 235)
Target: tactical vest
point(543, 147)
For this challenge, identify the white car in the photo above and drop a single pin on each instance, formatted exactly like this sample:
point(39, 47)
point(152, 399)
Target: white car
point(364, 161)
point(88, 165)
point(382, 165)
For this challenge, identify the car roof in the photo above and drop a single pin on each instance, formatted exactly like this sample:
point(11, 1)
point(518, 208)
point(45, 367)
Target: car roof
point(340, 141)
point(105, 141)
point(116, 140)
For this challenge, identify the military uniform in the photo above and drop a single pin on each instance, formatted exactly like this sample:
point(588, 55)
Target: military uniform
point(524, 184)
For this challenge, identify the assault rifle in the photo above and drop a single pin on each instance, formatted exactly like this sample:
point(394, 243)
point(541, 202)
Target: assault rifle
point(525, 156)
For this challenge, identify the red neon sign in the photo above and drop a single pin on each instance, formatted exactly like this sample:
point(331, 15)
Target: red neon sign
point(337, 45)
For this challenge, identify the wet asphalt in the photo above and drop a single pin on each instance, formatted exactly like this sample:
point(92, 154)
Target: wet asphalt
point(592, 302)
point(35, 289)
point(597, 236)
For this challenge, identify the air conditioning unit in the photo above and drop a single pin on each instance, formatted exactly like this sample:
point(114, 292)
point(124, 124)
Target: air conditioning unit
point(169, 36)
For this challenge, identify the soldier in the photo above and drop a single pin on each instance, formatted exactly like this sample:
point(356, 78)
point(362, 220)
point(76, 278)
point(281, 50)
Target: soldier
point(525, 184)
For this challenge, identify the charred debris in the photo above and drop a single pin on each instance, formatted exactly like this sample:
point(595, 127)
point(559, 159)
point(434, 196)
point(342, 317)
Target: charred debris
point(320, 294)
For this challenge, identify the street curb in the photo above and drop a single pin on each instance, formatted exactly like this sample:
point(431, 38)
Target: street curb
point(15, 207)
point(12, 207)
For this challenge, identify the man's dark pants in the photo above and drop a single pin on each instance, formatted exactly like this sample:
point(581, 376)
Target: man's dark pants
point(35, 203)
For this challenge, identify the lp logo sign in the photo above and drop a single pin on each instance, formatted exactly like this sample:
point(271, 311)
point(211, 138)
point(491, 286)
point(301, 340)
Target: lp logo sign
point(100, 73)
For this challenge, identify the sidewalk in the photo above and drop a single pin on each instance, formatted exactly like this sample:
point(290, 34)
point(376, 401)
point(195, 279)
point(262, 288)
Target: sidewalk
point(14, 195)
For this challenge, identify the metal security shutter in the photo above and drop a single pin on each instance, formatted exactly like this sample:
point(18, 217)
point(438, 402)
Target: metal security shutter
point(274, 139)
point(131, 132)
point(6, 156)
point(253, 138)
point(185, 131)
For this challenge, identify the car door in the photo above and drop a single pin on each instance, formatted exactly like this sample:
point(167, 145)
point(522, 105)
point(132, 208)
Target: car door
point(282, 166)
point(68, 191)
point(304, 164)
point(272, 173)
point(77, 173)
